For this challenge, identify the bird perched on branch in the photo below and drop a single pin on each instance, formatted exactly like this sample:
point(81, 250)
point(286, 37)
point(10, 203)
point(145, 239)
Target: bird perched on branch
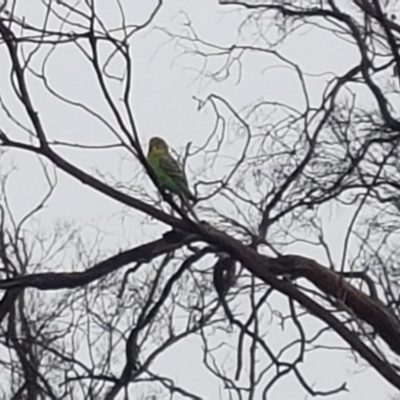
point(169, 173)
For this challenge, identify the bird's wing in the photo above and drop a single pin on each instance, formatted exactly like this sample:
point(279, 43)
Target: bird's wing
point(174, 170)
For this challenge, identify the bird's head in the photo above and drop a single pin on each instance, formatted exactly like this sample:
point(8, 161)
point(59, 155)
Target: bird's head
point(157, 145)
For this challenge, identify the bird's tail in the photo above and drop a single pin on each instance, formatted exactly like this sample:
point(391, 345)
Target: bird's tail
point(188, 206)
point(189, 195)
point(192, 198)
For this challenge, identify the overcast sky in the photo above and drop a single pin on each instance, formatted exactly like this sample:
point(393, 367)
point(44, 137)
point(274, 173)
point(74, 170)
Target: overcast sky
point(165, 82)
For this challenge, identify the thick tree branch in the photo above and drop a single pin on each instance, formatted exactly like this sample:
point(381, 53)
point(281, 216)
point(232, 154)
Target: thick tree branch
point(52, 280)
point(264, 267)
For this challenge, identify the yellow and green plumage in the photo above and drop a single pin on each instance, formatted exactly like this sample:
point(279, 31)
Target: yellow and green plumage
point(169, 173)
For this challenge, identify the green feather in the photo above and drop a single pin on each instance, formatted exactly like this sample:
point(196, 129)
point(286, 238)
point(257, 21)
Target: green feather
point(169, 174)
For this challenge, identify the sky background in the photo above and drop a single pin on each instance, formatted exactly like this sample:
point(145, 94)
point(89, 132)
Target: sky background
point(165, 82)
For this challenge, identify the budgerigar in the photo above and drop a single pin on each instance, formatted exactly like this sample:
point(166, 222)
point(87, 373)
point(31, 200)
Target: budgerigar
point(169, 173)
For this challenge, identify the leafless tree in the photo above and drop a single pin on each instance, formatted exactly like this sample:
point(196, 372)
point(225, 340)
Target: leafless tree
point(81, 318)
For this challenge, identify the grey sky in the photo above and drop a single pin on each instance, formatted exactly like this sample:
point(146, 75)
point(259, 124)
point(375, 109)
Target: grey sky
point(165, 82)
